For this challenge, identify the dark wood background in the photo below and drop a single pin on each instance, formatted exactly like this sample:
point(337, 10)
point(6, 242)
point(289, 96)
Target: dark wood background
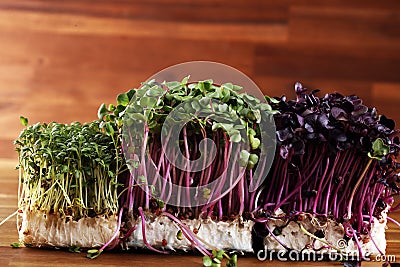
point(59, 60)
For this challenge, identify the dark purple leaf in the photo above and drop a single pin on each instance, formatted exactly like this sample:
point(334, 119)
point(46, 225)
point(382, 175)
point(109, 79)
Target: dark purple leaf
point(339, 113)
point(323, 120)
point(389, 123)
point(306, 112)
point(347, 106)
point(310, 136)
point(298, 88)
point(284, 151)
point(338, 135)
point(359, 110)
point(309, 128)
point(284, 134)
point(300, 119)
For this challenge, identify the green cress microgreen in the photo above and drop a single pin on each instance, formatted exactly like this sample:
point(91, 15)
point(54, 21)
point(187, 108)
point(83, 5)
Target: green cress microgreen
point(69, 169)
point(179, 235)
point(15, 245)
point(93, 253)
point(23, 120)
point(217, 257)
point(74, 249)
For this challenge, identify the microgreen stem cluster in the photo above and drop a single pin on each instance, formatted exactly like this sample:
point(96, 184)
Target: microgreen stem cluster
point(68, 169)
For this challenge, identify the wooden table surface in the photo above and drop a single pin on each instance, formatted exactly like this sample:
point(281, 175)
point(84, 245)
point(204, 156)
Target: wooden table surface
point(45, 257)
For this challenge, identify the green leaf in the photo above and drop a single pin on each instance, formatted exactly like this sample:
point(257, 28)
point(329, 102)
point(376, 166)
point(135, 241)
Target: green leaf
point(131, 93)
point(253, 158)
point(205, 85)
point(228, 86)
point(102, 111)
point(196, 104)
point(271, 99)
point(185, 80)
point(179, 235)
point(232, 262)
point(93, 253)
point(138, 116)
point(111, 107)
point(236, 137)
point(15, 245)
point(23, 120)
point(223, 107)
point(220, 254)
point(225, 126)
point(207, 261)
point(377, 145)
point(380, 148)
point(155, 91)
point(244, 158)
point(254, 142)
point(74, 249)
point(216, 260)
point(147, 102)
point(237, 87)
point(123, 99)
point(109, 128)
point(174, 86)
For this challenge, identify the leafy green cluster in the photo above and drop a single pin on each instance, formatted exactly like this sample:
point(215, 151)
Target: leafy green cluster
point(239, 114)
point(69, 169)
point(216, 259)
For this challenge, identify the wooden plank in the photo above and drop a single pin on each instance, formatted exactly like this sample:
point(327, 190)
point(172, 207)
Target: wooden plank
point(53, 86)
point(88, 25)
point(302, 61)
point(237, 11)
point(344, 26)
point(384, 4)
